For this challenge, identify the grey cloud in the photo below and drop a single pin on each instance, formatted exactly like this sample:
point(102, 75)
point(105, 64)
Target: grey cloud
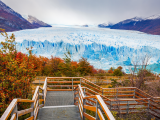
point(85, 11)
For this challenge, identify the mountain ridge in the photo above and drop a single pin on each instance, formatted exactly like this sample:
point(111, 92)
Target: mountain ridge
point(34, 21)
point(13, 21)
point(150, 25)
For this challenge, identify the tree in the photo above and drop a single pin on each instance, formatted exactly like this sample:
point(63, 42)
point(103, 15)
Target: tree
point(117, 72)
point(138, 72)
point(84, 67)
point(16, 72)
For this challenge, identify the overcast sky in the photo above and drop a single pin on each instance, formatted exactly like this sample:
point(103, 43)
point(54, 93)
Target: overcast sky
point(79, 12)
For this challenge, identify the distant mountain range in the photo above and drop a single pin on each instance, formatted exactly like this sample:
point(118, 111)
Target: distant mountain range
point(13, 21)
point(150, 25)
point(104, 25)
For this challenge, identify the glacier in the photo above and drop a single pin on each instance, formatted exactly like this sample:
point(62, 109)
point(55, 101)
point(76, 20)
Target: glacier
point(103, 48)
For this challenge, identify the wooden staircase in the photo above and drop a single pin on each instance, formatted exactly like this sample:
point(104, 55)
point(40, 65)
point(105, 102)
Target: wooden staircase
point(68, 98)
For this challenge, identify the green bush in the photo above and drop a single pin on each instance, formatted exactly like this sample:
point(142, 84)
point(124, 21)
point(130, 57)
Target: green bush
point(117, 72)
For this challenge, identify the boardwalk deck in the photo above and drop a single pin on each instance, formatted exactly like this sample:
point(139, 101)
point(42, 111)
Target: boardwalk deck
point(59, 113)
point(57, 98)
point(59, 105)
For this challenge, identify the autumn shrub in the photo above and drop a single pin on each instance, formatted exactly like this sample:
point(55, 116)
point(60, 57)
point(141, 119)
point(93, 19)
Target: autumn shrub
point(16, 73)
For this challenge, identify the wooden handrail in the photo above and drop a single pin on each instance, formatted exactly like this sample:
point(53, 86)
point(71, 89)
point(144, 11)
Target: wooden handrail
point(64, 77)
point(144, 93)
point(120, 88)
point(105, 108)
point(25, 100)
point(12, 108)
point(92, 83)
point(82, 106)
point(9, 110)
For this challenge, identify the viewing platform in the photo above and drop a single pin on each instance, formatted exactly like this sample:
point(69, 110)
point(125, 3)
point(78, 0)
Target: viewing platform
point(76, 98)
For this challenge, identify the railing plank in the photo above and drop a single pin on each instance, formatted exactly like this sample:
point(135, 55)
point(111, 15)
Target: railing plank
point(88, 104)
point(64, 77)
point(80, 111)
point(45, 84)
point(105, 108)
point(13, 117)
point(25, 100)
point(36, 106)
point(101, 117)
point(88, 116)
point(92, 83)
point(35, 93)
point(9, 110)
point(119, 92)
point(30, 118)
point(80, 103)
point(62, 85)
point(129, 95)
point(59, 89)
point(35, 100)
point(91, 100)
point(40, 94)
point(119, 88)
point(23, 112)
point(76, 93)
point(36, 113)
point(63, 82)
point(144, 93)
point(91, 87)
point(141, 95)
point(41, 100)
point(92, 108)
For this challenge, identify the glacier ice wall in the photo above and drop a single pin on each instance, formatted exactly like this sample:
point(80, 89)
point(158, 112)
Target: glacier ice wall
point(100, 55)
point(104, 48)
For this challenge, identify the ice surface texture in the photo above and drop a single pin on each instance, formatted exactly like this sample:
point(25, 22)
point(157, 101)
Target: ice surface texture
point(104, 48)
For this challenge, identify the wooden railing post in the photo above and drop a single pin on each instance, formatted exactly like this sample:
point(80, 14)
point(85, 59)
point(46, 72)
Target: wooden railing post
point(134, 93)
point(74, 97)
point(72, 84)
point(32, 106)
point(43, 97)
point(127, 107)
point(84, 102)
point(116, 93)
point(38, 98)
point(15, 110)
point(84, 110)
point(102, 91)
point(80, 81)
point(110, 105)
point(97, 106)
point(148, 105)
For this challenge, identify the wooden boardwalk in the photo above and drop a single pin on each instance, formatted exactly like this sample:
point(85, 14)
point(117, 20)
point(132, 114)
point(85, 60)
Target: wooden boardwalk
point(70, 98)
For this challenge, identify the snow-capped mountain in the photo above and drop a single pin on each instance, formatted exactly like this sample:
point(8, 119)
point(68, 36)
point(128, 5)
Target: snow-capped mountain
point(153, 17)
point(7, 9)
point(149, 25)
point(135, 19)
point(34, 21)
point(11, 20)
